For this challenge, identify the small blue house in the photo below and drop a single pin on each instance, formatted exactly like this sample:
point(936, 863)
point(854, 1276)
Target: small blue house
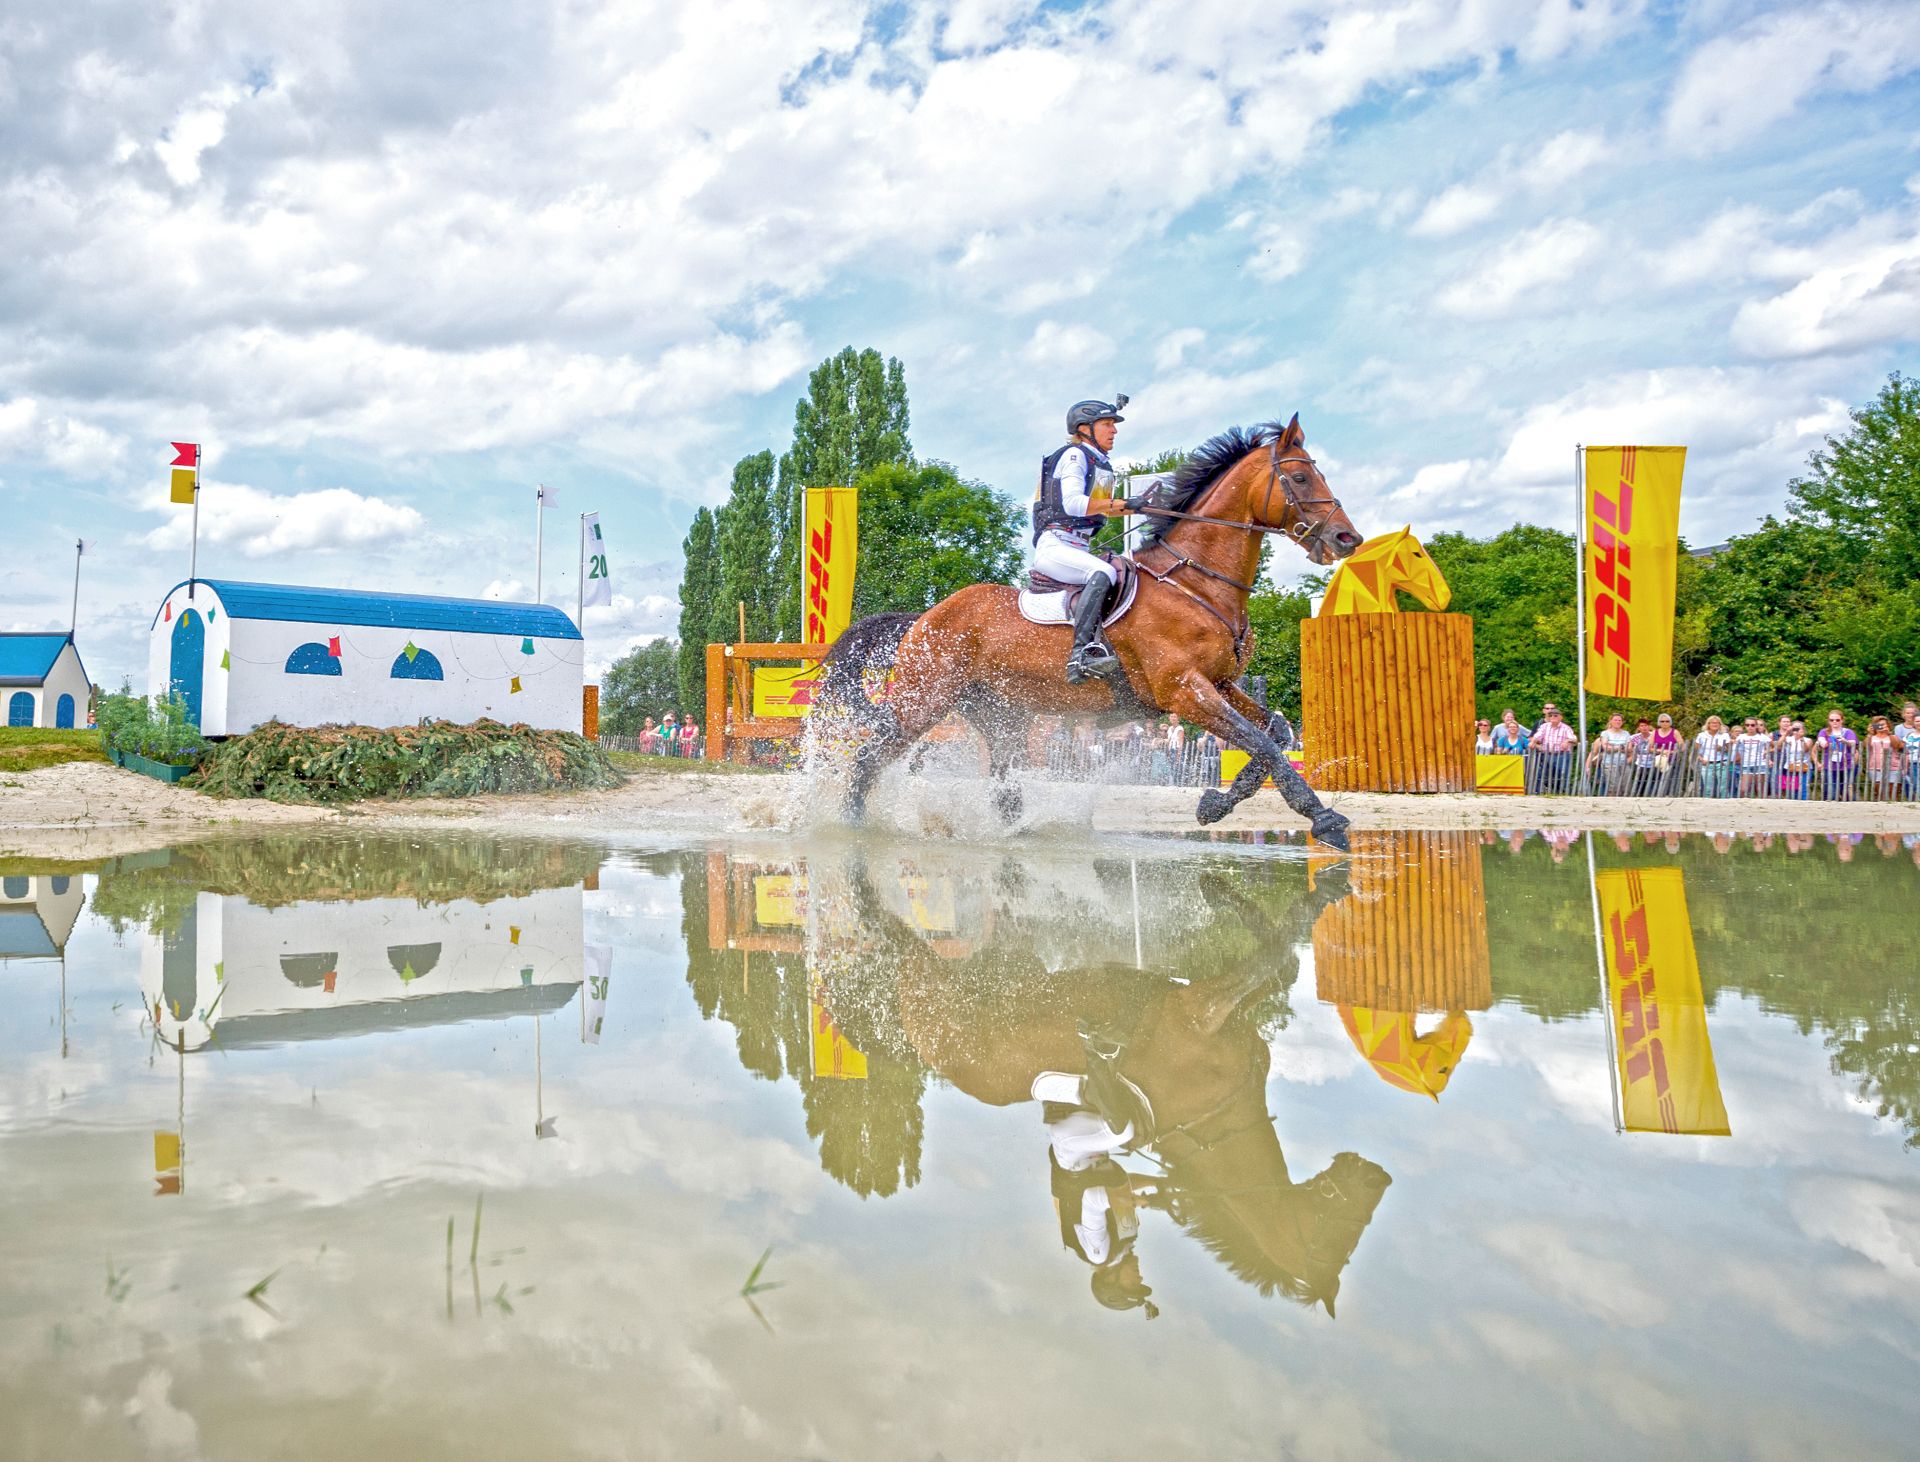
point(42, 682)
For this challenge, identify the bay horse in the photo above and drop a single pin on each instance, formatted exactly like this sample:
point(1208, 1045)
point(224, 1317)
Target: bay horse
point(1181, 648)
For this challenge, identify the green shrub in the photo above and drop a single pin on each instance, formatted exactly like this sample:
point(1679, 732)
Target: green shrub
point(157, 729)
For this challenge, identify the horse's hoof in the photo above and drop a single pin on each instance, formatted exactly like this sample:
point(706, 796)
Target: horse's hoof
point(1330, 828)
point(1214, 805)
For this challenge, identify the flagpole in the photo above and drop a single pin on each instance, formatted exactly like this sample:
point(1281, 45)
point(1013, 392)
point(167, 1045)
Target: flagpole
point(73, 620)
point(193, 554)
point(1580, 600)
point(1606, 995)
point(539, 535)
point(580, 612)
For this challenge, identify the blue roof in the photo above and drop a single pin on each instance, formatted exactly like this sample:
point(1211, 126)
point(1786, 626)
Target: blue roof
point(392, 611)
point(27, 658)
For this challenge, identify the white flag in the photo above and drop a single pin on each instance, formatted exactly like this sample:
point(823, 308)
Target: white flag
point(593, 562)
point(599, 961)
point(548, 497)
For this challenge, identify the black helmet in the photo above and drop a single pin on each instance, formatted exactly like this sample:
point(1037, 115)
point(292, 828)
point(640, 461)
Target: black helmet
point(1086, 413)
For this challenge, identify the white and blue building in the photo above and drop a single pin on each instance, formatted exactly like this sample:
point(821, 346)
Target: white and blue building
point(42, 682)
point(243, 654)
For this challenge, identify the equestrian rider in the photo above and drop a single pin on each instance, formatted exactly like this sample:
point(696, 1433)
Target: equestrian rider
point(1075, 493)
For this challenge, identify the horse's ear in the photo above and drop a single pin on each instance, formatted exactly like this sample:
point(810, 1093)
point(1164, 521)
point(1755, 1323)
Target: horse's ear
point(1293, 436)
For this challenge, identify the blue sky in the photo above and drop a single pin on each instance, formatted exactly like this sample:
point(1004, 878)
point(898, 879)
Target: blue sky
point(393, 276)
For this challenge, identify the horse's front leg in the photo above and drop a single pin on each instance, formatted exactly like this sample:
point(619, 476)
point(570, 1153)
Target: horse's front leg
point(1218, 710)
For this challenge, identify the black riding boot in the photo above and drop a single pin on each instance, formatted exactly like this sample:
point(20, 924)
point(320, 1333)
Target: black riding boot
point(1089, 657)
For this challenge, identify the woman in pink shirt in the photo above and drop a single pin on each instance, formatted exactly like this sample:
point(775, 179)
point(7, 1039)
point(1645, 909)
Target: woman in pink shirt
point(689, 736)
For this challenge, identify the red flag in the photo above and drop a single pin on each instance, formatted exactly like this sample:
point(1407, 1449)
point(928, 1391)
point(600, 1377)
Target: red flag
point(186, 454)
point(333, 646)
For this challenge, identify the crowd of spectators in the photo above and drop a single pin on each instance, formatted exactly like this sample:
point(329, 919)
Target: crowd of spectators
point(1829, 760)
point(670, 736)
point(1561, 841)
point(1166, 752)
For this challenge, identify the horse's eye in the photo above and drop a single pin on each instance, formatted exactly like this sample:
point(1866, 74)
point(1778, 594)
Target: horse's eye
point(1301, 478)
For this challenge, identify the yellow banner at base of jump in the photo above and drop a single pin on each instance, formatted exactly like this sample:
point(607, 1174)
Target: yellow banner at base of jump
point(1499, 773)
point(1632, 511)
point(1233, 762)
point(830, 536)
point(784, 690)
point(833, 1056)
point(1667, 1078)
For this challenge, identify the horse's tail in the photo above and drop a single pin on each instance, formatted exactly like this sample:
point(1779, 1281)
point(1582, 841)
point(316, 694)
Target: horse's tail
point(867, 644)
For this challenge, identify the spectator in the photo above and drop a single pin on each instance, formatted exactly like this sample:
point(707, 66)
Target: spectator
point(1753, 756)
point(1783, 730)
point(1483, 738)
point(1666, 757)
point(1552, 745)
point(1794, 757)
point(1642, 750)
point(1839, 750)
point(1510, 737)
point(1883, 761)
point(1908, 732)
point(650, 738)
point(669, 735)
point(689, 737)
point(1613, 750)
point(1713, 752)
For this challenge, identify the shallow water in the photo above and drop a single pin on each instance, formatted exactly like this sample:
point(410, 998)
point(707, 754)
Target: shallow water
point(416, 1148)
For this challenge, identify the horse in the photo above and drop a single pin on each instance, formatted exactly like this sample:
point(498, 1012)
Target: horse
point(1181, 647)
point(990, 1022)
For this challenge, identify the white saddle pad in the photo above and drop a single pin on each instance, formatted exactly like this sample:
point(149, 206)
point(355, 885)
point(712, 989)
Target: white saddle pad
point(1052, 608)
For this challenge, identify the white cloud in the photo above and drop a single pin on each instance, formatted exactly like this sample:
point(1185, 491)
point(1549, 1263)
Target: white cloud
point(1173, 347)
point(1871, 298)
point(1735, 86)
point(1560, 159)
point(261, 524)
point(1071, 345)
point(78, 448)
point(1459, 207)
point(197, 129)
point(1510, 275)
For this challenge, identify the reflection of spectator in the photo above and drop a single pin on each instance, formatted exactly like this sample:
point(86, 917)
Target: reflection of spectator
point(1839, 749)
point(1612, 749)
point(1713, 750)
point(1552, 745)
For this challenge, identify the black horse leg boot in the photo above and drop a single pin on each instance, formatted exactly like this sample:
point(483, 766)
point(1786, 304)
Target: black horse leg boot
point(1089, 659)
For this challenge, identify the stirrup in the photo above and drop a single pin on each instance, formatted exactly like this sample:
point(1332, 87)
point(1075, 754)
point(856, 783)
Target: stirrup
point(1092, 661)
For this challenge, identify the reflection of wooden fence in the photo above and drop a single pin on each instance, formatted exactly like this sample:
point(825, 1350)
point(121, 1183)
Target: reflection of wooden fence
point(730, 719)
point(1412, 936)
point(1387, 702)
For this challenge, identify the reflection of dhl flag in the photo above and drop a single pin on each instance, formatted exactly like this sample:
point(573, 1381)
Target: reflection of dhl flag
point(1667, 1077)
point(166, 1163)
point(931, 900)
point(780, 901)
point(1632, 528)
point(830, 538)
point(833, 1057)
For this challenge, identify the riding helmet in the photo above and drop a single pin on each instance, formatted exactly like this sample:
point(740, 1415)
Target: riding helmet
point(1086, 413)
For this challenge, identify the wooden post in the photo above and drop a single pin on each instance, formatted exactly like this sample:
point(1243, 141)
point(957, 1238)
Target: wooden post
point(590, 711)
point(716, 702)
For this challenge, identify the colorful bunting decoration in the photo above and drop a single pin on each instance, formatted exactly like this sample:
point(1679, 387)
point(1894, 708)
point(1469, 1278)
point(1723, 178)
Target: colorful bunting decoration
point(210, 615)
point(226, 660)
point(333, 646)
point(411, 650)
point(326, 982)
point(526, 645)
point(516, 685)
point(167, 613)
point(513, 933)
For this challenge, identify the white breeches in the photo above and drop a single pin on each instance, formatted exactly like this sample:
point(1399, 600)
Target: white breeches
point(1081, 1138)
point(1059, 557)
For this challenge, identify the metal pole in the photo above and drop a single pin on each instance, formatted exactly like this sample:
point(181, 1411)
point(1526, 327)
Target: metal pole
point(539, 535)
point(73, 620)
point(1133, 872)
point(193, 555)
point(1606, 994)
point(1580, 597)
point(580, 610)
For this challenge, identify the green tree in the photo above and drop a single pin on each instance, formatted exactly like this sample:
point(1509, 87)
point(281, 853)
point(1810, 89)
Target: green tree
point(1275, 616)
point(699, 592)
point(853, 418)
point(744, 535)
point(643, 682)
point(925, 533)
point(1864, 485)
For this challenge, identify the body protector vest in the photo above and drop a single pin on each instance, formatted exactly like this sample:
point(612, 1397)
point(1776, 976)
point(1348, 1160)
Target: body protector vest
point(1049, 511)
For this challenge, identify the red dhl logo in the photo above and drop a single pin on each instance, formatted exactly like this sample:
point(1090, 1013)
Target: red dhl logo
point(1612, 521)
point(1644, 1053)
point(819, 576)
point(801, 694)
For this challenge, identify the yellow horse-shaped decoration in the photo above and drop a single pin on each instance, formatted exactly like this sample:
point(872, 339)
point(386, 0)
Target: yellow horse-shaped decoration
point(1400, 1055)
point(1367, 582)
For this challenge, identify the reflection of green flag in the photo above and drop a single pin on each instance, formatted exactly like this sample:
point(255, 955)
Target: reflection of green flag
point(407, 974)
point(526, 975)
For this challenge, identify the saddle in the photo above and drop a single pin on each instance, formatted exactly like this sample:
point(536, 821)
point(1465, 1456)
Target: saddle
point(1047, 600)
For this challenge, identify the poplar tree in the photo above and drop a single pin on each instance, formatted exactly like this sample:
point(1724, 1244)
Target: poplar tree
point(699, 584)
point(744, 533)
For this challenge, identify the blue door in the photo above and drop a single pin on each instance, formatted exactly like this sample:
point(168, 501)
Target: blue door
point(63, 713)
point(189, 655)
point(20, 709)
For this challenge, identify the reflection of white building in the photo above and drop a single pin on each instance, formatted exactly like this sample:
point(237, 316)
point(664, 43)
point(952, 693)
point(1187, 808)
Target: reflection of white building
point(247, 975)
point(37, 914)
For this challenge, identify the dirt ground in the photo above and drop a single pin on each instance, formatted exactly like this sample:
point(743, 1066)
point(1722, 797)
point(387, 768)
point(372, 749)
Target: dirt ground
point(82, 810)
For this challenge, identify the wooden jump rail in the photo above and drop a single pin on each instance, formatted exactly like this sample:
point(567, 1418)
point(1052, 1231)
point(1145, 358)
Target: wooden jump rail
point(730, 715)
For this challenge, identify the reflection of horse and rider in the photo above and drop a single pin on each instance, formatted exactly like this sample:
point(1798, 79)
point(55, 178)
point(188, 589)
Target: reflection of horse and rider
point(1161, 629)
point(1128, 1069)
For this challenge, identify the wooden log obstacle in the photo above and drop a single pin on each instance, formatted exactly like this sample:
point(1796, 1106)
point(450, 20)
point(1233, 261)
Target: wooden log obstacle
point(1387, 702)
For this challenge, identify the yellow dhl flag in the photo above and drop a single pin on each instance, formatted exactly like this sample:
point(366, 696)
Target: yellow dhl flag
point(1632, 509)
point(784, 690)
point(833, 1056)
point(779, 901)
point(830, 539)
point(1667, 1078)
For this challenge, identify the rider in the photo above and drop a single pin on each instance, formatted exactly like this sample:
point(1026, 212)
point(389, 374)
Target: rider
point(1075, 492)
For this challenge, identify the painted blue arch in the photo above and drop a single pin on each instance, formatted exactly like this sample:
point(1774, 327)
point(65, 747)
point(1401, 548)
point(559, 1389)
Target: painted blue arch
point(20, 708)
point(187, 670)
point(60, 882)
point(17, 887)
point(63, 713)
point(312, 659)
point(425, 665)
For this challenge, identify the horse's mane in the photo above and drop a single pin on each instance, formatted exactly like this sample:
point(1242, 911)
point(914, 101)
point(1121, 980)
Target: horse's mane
point(1206, 465)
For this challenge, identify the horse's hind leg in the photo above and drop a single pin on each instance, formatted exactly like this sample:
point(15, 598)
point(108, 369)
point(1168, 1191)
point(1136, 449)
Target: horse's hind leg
point(1237, 719)
point(1004, 727)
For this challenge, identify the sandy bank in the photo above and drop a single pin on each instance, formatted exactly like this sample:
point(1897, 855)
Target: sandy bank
point(84, 810)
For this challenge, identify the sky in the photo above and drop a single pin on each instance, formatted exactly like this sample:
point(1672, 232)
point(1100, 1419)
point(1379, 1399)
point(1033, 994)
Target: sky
point(392, 275)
